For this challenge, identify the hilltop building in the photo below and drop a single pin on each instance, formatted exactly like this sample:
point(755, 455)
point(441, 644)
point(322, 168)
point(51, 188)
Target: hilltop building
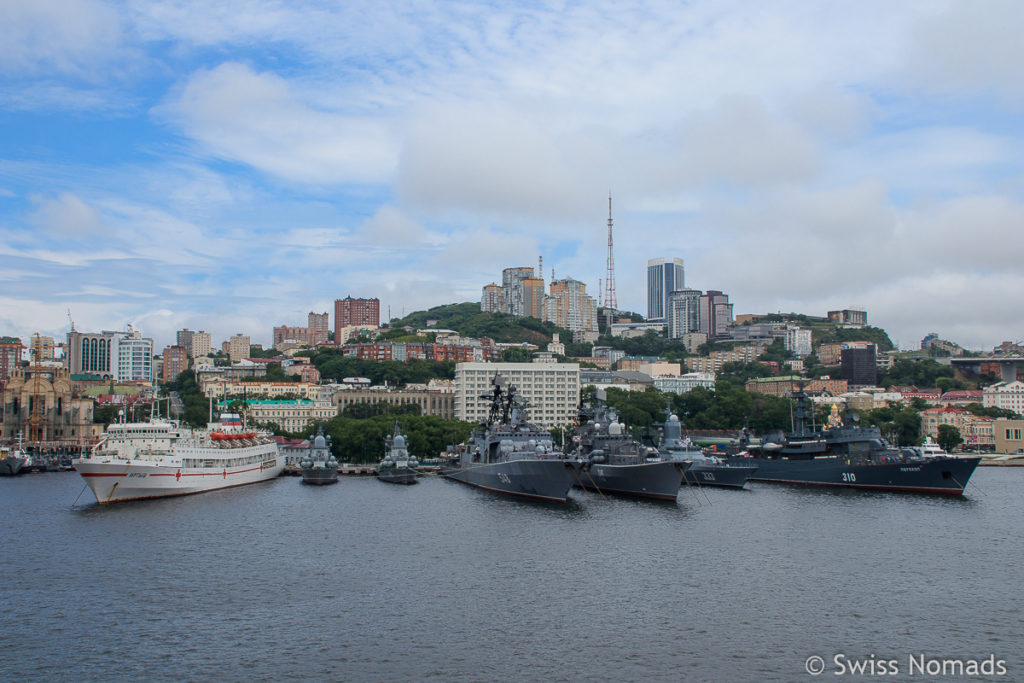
point(570, 306)
point(238, 347)
point(349, 311)
point(521, 293)
point(683, 313)
point(849, 317)
point(797, 340)
point(197, 344)
point(715, 313)
point(1005, 395)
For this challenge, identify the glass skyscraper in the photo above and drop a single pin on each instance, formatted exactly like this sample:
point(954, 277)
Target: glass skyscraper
point(663, 278)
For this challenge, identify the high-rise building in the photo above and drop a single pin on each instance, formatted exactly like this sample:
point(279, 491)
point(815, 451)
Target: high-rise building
point(238, 347)
point(317, 329)
point(175, 362)
point(10, 356)
point(349, 311)
point(283, 333)
point(44, 346)
point(121, 356)
point(493, 299)
point(797, 340)
point(663, 278)
point(683, 313)
point(858, 366)
point(570, 306)
point(715, 313)
point(202, 344)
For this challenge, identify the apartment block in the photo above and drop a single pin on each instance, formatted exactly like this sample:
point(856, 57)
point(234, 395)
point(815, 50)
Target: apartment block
point(551, 390)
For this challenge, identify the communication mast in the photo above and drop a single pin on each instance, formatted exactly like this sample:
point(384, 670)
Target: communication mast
point(610, 304)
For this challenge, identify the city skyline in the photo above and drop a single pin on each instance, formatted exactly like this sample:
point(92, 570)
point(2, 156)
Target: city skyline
point(231, 168)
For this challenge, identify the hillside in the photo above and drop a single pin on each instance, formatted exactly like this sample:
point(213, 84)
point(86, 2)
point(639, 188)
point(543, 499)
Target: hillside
point(468, 320)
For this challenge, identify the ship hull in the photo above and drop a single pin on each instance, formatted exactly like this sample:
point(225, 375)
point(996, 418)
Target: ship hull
point(726, 476)
point(658, 480)
point(11, 466)
point(119, 481)
point(529, 478)
point(320, 476)
point(398, 476)
point(941, 475)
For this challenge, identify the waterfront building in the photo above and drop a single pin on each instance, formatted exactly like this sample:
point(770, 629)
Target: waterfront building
point(1005, 395)
point(552, 390)
point(121, 356)
point(238, 347)
point(39, 404)
point(715, 313)
point(1008, 435)
point(797, 340)
point(174, 361)
point(975, 430)
point(683, 313)
point(570, 306)
point(349, 311)
point(317, 328)
point(291, 416)
point(663, 278)
point(10, 356)
point(440, 403)
point(680, 384)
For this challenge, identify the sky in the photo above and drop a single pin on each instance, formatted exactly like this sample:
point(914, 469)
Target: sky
point(232, 166)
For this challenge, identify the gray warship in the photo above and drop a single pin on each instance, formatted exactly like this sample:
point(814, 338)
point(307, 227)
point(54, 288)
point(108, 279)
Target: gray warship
point(319, 466)
point(848, 455)
point(704, 470)
point(510, 455)
point(13, 460)
point(397, 466)
point(618, 463)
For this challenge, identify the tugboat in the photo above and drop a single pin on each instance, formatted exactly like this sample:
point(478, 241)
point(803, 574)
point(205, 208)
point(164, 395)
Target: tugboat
point(618, 464)
point(704, 470)
point(851, 456)
point(319, 467)
point(510, 455)
point(397, 467)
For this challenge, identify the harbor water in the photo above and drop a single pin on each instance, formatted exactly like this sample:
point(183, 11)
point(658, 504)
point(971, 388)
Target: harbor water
point(362, 581)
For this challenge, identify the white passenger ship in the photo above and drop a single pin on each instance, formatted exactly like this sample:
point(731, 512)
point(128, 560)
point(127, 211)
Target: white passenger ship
point(158, 458)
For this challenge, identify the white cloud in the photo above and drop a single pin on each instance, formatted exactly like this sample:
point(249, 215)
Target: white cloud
point(65, 216)
point(240, 115)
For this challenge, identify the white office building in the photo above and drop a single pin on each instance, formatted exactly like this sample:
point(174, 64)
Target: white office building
point(551, 390)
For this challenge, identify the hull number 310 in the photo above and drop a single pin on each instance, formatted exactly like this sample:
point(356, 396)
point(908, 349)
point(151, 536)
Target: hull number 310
point(849, 476)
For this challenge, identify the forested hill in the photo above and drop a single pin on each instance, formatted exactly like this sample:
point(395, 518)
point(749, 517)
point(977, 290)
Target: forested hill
point(469, 321)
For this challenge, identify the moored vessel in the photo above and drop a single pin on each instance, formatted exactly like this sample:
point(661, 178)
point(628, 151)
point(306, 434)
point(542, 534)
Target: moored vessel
point(510, 455)
point(160, 458)
point(845, 454)
point(319, 466)
point(704, 470)
point(12, 460)
point(397, 466)
point(619, 464)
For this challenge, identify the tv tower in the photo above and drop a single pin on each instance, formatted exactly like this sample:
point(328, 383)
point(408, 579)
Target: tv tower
point(609, 280)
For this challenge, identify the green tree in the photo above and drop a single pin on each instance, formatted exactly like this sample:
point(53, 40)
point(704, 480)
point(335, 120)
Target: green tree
point(949, 437)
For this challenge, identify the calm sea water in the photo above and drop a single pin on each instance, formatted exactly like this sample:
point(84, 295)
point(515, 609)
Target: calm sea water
point(365, 581)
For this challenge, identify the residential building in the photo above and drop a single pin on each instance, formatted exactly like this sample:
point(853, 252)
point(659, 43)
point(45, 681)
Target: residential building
point(175, 361)
point(238, 347)
point(1005, 395)
point(831, 353)
point(1008, 435)
point(317, 328)
point(551, 390)
point(219, 387)
point(10, 356)
point(45, 346)
point(715, 313)
point(492, 299)
point(663, 278)
point(349, 311)
point(634, 363)
point(631, 330)
point(858, 366)
point(570, 306)
point(785, 386)
point(797, 340)
point(613, 355)
point(286, 333)
point(975, 430)
point(683, 312)
point(714, 362)
point(660, 369)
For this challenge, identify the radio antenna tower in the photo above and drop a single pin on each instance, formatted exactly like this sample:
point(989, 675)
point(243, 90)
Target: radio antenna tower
point(609, 280)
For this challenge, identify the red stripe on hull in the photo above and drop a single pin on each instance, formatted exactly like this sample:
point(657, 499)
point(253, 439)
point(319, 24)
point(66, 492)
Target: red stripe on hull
point(873, 487)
